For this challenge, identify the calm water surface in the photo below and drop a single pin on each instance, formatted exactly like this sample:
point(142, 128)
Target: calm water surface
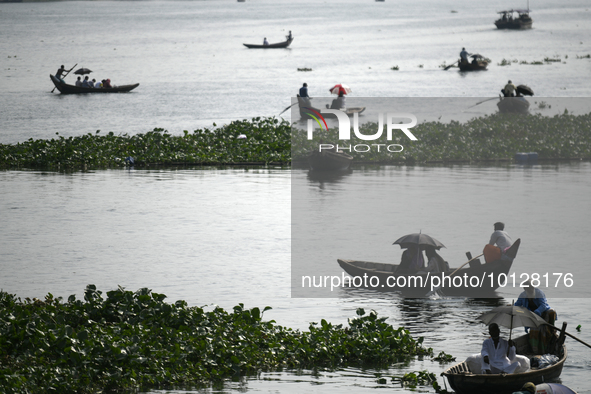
point(222, 236)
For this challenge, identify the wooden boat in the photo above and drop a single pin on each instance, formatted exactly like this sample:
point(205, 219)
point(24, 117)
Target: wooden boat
point(64, 88)
point(329, 160)
point(463, 381)
point(515, 105)
point(283, 44)
point(509, 20)
point(419, 283)
point(478, 63)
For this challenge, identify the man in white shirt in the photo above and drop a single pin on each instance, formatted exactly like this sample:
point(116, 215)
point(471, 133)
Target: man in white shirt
point(499, 356)
point(500, 238)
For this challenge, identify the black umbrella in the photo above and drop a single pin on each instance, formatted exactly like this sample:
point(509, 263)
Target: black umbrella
point(82, 71)
point(512, 316)
point(525, 90)
point(418, 239)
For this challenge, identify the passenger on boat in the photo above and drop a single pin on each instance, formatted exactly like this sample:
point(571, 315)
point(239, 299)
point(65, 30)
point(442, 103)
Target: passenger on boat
point(289, 36)
point(464, 56)
point(435, 262)
point(79, 82)
point(499, 242)
point(98, 84)
point(509, 89)
point(339, 102)
point(106, 83)
point(527, 388)
point(265, 42)
point(535, 300)
point(412, 260)
point(86, 83)
point(499, 356)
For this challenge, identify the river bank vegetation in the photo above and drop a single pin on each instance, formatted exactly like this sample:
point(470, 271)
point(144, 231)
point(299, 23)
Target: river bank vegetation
point(134, 340)
point(270, 141)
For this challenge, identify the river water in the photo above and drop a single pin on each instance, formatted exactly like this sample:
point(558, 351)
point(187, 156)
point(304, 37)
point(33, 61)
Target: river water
point(222, 236)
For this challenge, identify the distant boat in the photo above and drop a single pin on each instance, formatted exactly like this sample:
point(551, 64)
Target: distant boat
point(64, 88)
point(509, 20)
point(478, 63)
point(241, 1)
point(283, 44)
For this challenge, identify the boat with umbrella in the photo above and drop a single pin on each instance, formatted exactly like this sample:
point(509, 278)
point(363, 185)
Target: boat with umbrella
point(516, 105)
point(64, 88)
point(340, 89)
point(389, 277)
point(464, 380)
point(478, 63)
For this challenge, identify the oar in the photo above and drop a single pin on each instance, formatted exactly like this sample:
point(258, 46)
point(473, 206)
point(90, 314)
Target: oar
point(570, 335)
point(450, 66)
point(67, 74)
point(452, 274)
point(286, 109)
point(483, 101)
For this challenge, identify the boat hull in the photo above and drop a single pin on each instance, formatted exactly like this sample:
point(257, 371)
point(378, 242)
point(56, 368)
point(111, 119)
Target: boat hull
point(64, 88)
point(478, 66)
point(283, 44)
point(515, 105)
point(329, 161)
point(462, 381)
point(421, 283)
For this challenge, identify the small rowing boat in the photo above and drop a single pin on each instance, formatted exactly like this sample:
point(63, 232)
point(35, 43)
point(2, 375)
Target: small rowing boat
point(329, 160)
point(513, 105)
point(283, 44)
point(64, 88)
point(463, 381)
point(478, 63)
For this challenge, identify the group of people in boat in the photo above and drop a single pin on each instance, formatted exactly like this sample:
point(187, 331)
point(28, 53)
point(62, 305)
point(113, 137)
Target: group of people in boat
point(464, 58)
point(413, 261)
point(87, 83)
point(499, 355)
point(338, 103)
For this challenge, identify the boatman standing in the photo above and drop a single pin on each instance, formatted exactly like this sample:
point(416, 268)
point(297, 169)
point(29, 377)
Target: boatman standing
point(304, 95)
point(62, 70)
point(265, 42)
point(464, 56)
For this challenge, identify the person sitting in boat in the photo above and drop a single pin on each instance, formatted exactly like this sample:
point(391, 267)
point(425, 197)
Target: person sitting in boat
point(106, 83)
point(535, 300)
point(289, 36)
point(500, 355)
point(509, 89)
point(97, 84)
point(79, 82)
point(339, 102)
point(498, 245)
point(86, 83)
point(435, 262)
point(265, 42)
point(464, 56)
point(412, 260)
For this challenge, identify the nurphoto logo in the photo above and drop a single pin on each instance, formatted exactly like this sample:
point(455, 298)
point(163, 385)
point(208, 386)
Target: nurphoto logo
point(345, 129)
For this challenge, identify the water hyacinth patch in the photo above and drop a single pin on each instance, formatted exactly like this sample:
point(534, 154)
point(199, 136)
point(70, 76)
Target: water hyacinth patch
point(134, 340)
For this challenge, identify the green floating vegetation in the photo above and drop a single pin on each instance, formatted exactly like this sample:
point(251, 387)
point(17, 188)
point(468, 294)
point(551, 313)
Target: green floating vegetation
point(395, 68)
point(134, 340)
point(260, 140)
point(488, 138)
point(304, 69)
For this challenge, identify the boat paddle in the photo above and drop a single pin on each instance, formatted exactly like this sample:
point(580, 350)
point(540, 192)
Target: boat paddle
point(483, 101)
point(450, 66)
point(66, 74)
point(429, 294)
point(570, 335)
point(286, 109)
